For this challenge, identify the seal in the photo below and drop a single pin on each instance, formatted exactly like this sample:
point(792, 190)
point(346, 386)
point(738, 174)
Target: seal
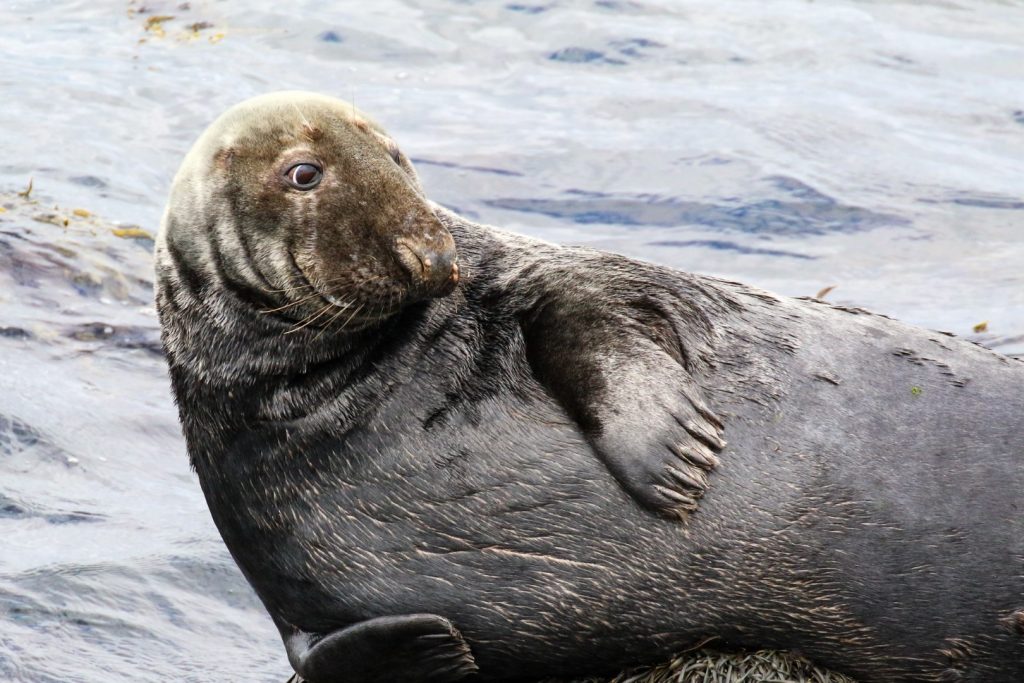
point(439, 450)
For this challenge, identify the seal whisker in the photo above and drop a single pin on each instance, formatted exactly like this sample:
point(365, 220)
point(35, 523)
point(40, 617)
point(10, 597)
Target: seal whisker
point(289, 289)
point(349, 319)
point(381, 308)
point(327, 325)
point(302, 116)
point(307, 285)
point(391, 301)
point(312, 318)
point(292, 304)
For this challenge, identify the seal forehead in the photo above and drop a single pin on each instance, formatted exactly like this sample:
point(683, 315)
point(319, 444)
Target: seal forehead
point(275, 118)
point(302, 112)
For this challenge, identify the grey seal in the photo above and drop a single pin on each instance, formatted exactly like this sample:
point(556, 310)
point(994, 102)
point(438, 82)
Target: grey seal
point(439, 450)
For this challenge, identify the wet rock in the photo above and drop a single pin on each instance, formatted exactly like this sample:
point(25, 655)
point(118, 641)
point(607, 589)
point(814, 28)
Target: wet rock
point(17, 436)
point(119, 336)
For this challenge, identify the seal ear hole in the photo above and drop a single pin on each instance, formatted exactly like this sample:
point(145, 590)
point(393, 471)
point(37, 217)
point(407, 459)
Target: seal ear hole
point(391, 146)
point(402, 161)
point(395, 153)
point(304, 176)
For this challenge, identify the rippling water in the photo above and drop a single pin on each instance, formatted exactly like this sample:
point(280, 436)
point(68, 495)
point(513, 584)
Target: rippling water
point(874, 146)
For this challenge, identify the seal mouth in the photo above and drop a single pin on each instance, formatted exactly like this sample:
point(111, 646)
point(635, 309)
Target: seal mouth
point(307, 283)
point(324, 309)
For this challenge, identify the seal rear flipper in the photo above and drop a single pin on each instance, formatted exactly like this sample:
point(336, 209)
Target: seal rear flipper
point(614, 372)
point(412, 647)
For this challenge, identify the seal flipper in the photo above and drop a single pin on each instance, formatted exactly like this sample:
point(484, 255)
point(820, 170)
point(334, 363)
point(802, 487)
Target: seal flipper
point(411, 647)
point(613, 371)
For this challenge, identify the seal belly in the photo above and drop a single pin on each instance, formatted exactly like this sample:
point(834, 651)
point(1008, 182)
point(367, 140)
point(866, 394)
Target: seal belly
point(916, 498)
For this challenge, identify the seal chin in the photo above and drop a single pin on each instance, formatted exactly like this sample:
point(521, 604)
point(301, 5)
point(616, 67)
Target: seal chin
point(346, 306)
point(432, 272)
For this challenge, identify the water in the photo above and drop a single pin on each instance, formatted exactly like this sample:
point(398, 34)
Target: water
point(874, 146)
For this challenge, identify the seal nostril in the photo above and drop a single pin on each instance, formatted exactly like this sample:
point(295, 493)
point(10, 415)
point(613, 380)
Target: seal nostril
point(413, 260)
point(433, 273)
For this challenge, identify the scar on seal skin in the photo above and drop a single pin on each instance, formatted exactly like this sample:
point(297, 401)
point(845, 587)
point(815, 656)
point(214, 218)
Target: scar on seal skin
point(439, 450)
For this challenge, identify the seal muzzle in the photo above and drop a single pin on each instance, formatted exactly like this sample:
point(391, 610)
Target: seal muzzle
point(432, 268)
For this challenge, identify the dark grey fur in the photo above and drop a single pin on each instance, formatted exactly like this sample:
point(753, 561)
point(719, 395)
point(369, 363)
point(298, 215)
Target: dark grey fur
point(452, 458)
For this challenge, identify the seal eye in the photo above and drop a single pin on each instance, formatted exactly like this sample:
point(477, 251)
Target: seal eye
point(304, 176)
point(395, 153)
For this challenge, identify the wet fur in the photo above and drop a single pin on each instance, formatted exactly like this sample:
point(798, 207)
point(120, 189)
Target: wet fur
point(866, 511)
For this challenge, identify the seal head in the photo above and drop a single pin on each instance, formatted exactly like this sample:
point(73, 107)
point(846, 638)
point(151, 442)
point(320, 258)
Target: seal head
point(299, 204)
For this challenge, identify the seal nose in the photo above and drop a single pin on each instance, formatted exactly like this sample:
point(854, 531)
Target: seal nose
point(434, 271)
